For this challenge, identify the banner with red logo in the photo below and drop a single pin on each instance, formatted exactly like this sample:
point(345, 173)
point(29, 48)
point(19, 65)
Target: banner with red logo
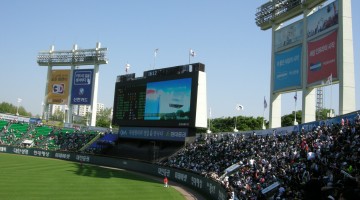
point(58, 87)
point(322, 58)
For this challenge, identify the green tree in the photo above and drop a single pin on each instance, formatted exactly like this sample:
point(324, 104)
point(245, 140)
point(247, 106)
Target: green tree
point(227, 124)
point(58, 115)
point(323, 114)
point(103, 118)
point(288, 120)
point(11, 109)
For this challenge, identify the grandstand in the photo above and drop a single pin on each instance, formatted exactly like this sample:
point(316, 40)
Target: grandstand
point(327, 154)
point(25, 134)
point(261, 164)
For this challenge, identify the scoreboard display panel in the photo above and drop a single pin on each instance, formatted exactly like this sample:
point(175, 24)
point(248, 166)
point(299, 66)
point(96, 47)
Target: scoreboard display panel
point(162, 98)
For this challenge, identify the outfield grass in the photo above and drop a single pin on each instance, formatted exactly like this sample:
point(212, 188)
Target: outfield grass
point(27, 177)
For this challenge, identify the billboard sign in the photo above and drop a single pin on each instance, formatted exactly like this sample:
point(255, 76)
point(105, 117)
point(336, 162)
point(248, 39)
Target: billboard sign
point(290, 34)
point(288, 69)
point(152, 133)
point(322, 60)
point(82, 86)
point(323, 19)
point(58, 87)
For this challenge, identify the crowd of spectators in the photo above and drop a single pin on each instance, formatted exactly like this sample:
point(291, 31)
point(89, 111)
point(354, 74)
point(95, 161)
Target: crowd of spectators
point(72, 141)
point(323, 163)
point(10, 135)
point(62, 139)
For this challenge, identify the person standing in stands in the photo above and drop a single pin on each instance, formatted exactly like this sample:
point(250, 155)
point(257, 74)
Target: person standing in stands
point(166, 181)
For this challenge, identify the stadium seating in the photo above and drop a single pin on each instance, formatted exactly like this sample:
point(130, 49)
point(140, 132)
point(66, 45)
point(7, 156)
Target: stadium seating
point(3, 123)
point(324, 156)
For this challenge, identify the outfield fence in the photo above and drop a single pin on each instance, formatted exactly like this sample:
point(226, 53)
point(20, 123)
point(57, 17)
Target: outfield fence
point(207, 187)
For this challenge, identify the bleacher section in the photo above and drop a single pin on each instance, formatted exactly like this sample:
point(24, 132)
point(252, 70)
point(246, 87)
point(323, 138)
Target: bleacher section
point(19, 129)
point(40, 135)
point(44, 137)
point(3, 123)
point(14, 132)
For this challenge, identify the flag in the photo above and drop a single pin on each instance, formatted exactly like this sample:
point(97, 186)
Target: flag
point(265, 103)
point(19, 100)
point(239, 107)
point(155, 52)
point(295, 97)
point(127, 67)
point(329, 80)
point(192, 53)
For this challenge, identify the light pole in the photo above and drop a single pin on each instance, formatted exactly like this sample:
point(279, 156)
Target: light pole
point(17, 108)
point(42, 110)
point(209, 128)
point(65, 108)
point(87, 118)
point(111, 118)
point(295, 97)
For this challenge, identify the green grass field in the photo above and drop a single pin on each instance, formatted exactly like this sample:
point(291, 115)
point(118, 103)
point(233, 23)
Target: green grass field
point(27, 177)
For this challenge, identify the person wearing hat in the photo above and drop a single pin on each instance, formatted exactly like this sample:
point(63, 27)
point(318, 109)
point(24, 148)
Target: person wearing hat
point(166, 182)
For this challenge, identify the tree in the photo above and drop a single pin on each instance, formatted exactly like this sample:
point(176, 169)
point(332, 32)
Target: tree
point(323, 114)
point(103, 118)
point(288, 120)
point(58, 115)
point(242, 124)
point(11, 109)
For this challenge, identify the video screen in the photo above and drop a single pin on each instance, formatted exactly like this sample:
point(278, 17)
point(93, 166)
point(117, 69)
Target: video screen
point(168, 100)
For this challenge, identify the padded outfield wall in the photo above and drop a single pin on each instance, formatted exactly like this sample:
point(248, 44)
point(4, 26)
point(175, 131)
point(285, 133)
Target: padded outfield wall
point(207, 187)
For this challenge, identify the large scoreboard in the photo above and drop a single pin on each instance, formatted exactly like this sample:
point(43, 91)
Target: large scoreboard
point(167, 97)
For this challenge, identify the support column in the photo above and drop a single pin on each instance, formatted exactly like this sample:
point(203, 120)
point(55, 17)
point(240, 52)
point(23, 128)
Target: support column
point(275, 111)
point(45, 105)
point(275, 98)
point(346, 59)
point(308, 106)
point(95, 89)
point(70, 106)
point(308, 94)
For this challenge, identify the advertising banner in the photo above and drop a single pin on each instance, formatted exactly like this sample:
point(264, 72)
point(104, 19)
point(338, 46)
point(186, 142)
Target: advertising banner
point(152, 133)
point(288, 69)
point(322, 58)
point(289, 35)
point(58, 87)
point(323, 19)
point(82, 86)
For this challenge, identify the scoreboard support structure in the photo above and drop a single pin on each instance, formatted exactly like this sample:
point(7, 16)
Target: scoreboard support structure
point(322, 28)
point(73, 58)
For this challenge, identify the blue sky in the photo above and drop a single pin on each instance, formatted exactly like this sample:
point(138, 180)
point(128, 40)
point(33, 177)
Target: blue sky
point(223, 34)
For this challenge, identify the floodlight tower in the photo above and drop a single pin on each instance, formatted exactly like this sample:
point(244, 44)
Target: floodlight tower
point(74, 58)
point(298, 58)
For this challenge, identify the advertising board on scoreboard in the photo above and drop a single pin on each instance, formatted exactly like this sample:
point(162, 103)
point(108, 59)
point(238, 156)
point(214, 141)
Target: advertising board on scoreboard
point(58, 87)
point(322, 62)
point(154, 133)
point(82, 86)
point(323, 20)
point(288, 69)
point(289, 35)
